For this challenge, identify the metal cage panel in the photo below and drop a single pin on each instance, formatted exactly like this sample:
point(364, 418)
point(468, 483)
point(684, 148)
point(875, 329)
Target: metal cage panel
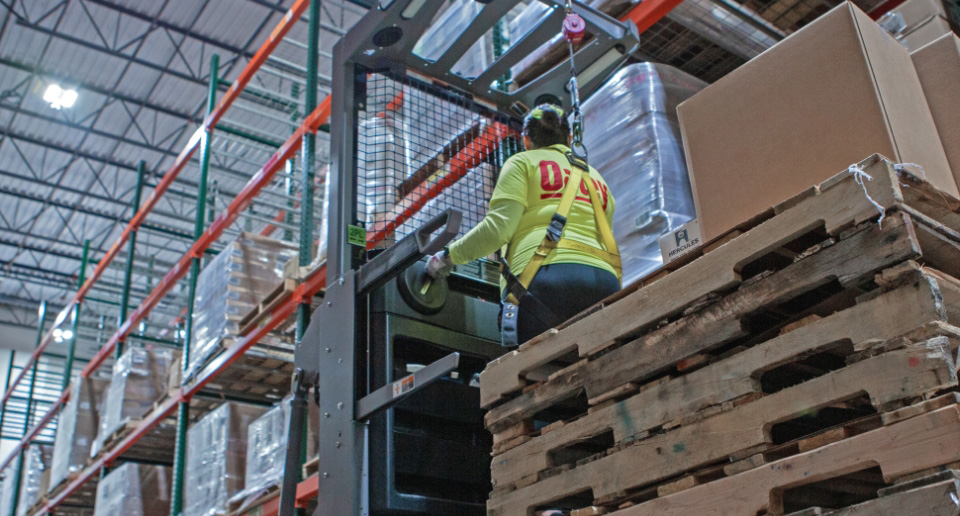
point(420, 151)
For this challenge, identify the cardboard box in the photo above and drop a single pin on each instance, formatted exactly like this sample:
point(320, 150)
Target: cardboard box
point(135, 490)
point(938, 66)
point(830, 95)
point(7, 484)
point(35, 466)
point(267, 449)
point(915, 12)
point(140, 378)
point(927, 32)
point(77, 428)
point(216, 457)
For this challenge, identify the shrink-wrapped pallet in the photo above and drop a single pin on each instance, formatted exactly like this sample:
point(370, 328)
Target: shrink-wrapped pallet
point(135, 490)
point(77, 428)
point(244, 273)
point(407, 139)
point(140, 379)
point(216, 458)
point(36, 476)
point(7, 483)
point(633, 138)
point(470, 195)
point(267, 448)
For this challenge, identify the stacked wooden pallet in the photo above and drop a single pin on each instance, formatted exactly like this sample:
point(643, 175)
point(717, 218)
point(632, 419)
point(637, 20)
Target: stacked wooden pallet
point(806, 365)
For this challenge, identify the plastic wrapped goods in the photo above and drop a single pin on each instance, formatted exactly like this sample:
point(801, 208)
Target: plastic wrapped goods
point(216, 457)
point(267, 448)
point(36, 476)
point(229, 287)
point(135, 490)
point(730, 25)
point(633, 138)
point(77, 428)
point(323, 234)
point(140, 378)
point(380, 167)
point(406, 139)
point(7, 485)
point(470, 194)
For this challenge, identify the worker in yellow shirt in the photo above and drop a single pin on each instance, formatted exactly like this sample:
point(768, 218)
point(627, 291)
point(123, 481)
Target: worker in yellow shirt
point(560, 257)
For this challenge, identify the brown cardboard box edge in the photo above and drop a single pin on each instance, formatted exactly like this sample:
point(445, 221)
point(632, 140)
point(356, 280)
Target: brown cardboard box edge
point(914, 12)
point(899, 116)
point(904, 104)
point(938, 67)
point(925, 33)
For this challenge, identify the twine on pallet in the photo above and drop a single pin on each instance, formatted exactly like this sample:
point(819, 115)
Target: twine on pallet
point(859, 175)
point(905, 167)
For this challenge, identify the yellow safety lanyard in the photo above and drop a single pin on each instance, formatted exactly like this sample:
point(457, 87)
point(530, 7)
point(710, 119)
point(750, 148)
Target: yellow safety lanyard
point(554, 239)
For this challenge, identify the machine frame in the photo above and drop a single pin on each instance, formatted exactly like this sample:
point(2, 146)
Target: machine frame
point(329, 356)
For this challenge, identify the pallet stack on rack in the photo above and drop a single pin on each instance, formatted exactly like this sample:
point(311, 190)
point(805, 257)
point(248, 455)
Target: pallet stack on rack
point(158, 430)
point(808, 364)
point(241, 284)
point(135, 489)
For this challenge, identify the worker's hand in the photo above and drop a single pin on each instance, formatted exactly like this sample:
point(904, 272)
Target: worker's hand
point(439, 265)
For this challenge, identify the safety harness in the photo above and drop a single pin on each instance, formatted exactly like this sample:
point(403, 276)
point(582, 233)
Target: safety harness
point(517, 287)
point(574, 29)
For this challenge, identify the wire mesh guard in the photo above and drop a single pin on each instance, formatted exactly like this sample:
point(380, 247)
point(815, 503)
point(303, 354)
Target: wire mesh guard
point(420, 151)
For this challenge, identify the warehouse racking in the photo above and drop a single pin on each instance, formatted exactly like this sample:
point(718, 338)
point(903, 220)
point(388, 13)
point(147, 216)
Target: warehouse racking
point(204, 236)
point(207, 230)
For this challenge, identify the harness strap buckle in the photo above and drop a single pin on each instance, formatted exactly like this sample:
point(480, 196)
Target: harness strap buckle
point(577, 159)
point(555, 229)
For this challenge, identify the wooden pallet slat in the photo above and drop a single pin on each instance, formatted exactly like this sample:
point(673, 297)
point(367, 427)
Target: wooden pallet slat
point(829, 309)
point(896, 313)
point(911, 308)
point(912, 445)
point(266, 306)
point(851, 260)
point(886, 378)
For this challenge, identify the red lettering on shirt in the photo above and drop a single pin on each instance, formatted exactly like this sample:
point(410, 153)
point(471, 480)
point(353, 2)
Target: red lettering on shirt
point(550, 179)
point(554, 173)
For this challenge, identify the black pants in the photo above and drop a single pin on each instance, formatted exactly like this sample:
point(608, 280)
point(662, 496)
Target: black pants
point(567, 289)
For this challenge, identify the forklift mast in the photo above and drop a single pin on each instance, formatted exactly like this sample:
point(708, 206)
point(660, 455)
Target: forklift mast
point(415, 149)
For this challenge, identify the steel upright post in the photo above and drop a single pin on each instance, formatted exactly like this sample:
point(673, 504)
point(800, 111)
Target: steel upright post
point(308, 172)
point(308, 163)
point(183, 408)
point(26, 414)
point(6, 387)
point(71, 351)
point(289, 187)
point(131, 250)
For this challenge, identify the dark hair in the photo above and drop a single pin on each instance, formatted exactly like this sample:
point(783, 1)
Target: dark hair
point(546, 125)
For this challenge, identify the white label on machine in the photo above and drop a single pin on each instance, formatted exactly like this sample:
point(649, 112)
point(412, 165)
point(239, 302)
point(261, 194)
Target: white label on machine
point(402, 386)
point(680, 241)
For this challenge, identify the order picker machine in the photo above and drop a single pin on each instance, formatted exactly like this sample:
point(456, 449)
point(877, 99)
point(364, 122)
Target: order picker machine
point(391, 357)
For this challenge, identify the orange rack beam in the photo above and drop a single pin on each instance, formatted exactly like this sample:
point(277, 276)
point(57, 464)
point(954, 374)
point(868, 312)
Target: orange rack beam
point(253, 187)
point(305, 291)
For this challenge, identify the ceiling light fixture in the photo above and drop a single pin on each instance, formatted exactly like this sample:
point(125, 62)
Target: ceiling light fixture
point(59, 97)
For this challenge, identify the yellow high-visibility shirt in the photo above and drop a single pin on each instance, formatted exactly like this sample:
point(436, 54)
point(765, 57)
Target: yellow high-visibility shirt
point(535, 180)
